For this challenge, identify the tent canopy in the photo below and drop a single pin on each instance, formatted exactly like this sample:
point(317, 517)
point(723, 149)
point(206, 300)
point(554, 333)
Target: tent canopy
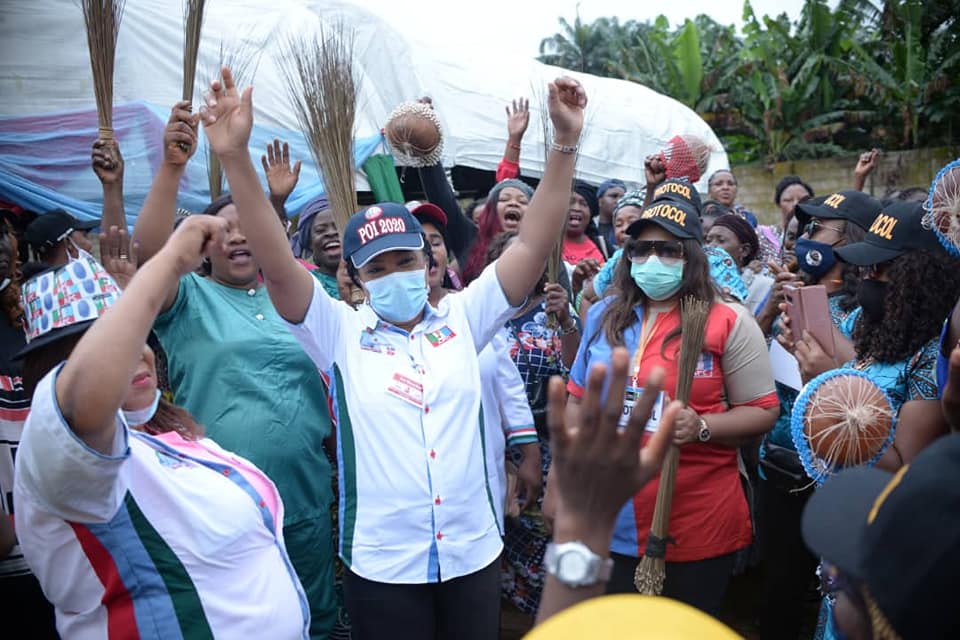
point(48, 118)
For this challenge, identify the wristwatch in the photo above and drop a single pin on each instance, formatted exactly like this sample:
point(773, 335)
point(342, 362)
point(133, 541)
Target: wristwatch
point(575, 565)
point(704, 434)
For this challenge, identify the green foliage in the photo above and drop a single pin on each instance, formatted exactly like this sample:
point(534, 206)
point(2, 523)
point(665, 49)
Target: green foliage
point(841, 79)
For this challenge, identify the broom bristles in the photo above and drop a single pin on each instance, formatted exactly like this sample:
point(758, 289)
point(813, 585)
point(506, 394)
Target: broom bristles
point(102, 19)
point(323, 88)
point(192, 27)
point(693, 323)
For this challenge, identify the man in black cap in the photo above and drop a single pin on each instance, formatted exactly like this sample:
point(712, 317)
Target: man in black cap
point(891, 546)
point(56, 236)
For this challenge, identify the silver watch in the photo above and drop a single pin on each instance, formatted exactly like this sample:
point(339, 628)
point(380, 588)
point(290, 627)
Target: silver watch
point(575, 565)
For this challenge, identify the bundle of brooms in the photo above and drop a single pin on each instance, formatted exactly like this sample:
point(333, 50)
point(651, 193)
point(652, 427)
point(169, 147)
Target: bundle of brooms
point(192, 27)
point(320, 77)
point(102, 20)
point(651, 571)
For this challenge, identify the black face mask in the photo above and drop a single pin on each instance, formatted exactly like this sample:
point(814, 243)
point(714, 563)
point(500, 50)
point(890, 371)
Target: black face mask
point(872, 295)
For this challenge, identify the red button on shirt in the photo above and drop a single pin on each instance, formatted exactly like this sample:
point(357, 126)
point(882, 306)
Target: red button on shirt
point(439, 536)
point(433, 454)
point(437, 501)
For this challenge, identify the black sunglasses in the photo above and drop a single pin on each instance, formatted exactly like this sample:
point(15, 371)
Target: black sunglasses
point(664, 249)
point(815, 224)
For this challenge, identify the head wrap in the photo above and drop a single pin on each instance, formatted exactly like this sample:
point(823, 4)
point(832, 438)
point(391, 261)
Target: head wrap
point(300, 241)
point(606, 185)
point(744, 232)
point(630, 199)
point(589, 194)
point(725, 274)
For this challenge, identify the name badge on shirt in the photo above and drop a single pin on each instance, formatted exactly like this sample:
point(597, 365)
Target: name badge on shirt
point(406, 389)
point(630, 396)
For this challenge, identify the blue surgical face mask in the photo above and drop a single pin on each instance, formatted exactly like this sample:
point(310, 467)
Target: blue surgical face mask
point(815, 258)
point(142, 416)
point(399, 296)
point(657, 280)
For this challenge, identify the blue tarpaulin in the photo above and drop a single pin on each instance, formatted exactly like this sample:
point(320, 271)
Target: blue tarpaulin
point(45, 161)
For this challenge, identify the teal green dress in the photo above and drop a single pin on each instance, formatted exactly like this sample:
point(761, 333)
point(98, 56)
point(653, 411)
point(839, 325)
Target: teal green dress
point(242, 374)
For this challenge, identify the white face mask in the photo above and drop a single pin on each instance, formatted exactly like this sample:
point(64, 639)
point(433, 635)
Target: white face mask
point(138, 417)
point(5, 284)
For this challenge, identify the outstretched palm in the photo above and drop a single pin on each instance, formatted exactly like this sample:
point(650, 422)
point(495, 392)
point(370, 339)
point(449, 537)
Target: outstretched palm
point(227, 116)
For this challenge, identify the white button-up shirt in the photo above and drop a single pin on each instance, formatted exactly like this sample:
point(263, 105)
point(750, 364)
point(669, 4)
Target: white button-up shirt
point(415, 504)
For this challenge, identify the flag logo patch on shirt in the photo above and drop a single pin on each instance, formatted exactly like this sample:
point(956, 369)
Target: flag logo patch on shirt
point(370, 342)
point(441, 336)
point(171, 461)
point(704, 366)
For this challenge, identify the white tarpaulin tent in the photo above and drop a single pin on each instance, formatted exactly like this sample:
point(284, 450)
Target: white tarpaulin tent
point(45, 69)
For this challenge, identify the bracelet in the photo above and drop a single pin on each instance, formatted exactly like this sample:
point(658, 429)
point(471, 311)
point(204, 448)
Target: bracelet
point(516, 147)
point(565, 148)
point(577, 301)
point(573, 328)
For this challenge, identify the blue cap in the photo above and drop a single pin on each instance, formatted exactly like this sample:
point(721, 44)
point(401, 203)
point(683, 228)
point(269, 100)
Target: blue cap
point(387, 226)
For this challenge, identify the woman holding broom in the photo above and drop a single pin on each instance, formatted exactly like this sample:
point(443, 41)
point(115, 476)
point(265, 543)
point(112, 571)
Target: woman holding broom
point(732, 398)
point(418, 533)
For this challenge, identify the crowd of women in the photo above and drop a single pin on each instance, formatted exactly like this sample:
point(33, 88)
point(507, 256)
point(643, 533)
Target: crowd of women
point(213, 438)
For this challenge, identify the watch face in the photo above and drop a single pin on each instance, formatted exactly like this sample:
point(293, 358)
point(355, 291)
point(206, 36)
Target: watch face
point(572, 567)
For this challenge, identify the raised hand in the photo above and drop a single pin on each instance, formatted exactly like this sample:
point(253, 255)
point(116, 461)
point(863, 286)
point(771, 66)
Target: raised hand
point(518, 118)
point(227, 116)
point(117, 256)
point(107, 162)
point(866, 163)
point(180, 135)
point(598, 466)
point(281, 178)
point(655, 170)
point(566, 102)
point(192, 240)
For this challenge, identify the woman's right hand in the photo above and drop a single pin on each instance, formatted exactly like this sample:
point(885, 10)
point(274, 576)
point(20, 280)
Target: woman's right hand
point(192, 241)
point(518, 118)
point(227, 116)
point(655, 170)
point(180, 135)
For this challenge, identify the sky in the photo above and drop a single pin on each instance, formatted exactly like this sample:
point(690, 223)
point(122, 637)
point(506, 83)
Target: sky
point(518, 26)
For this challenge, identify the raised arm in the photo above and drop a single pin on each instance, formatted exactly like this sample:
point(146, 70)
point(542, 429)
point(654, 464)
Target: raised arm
point(113, 346)
point(227, 120)
point(108, 165)
point(518, 117)
point(155, 222)
point(521, 264)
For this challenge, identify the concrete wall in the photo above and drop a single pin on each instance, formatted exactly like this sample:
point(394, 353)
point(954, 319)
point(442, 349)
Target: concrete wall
point(896, 169)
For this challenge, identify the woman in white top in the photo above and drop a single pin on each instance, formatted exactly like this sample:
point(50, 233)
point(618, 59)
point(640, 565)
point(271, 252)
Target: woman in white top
point(418, 532)
point(133, 522)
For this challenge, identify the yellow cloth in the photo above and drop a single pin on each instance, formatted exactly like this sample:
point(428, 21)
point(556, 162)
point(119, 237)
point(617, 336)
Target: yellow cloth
point(625, 617)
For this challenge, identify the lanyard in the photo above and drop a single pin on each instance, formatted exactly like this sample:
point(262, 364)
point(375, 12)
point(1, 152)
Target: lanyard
point(645, 337)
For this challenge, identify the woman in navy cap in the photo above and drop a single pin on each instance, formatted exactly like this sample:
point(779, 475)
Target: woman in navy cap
point(418, 533)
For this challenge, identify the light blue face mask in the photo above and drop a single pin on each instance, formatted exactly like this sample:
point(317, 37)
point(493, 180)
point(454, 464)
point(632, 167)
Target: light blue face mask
point(399, 296)
point(657, 280)
point(142, 416)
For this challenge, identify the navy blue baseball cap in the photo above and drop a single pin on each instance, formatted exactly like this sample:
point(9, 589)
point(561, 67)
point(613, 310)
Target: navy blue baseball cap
point(387, 226)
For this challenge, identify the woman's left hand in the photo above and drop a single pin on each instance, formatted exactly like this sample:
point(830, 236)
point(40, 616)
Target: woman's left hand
point(686, 427)
point(566, 102)
point(557, 302)
point(118, 258)
point(812, 358)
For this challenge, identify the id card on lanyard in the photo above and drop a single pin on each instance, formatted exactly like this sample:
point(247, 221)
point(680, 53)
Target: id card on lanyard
point(633, 390)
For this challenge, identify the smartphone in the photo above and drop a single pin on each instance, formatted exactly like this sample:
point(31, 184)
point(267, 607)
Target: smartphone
point(808, 310)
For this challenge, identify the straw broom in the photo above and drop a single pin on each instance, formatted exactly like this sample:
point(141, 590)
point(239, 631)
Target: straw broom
point(192, 26)
point(651, 571)
point(242, 60)
point(102, 20)
point(323, 88)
